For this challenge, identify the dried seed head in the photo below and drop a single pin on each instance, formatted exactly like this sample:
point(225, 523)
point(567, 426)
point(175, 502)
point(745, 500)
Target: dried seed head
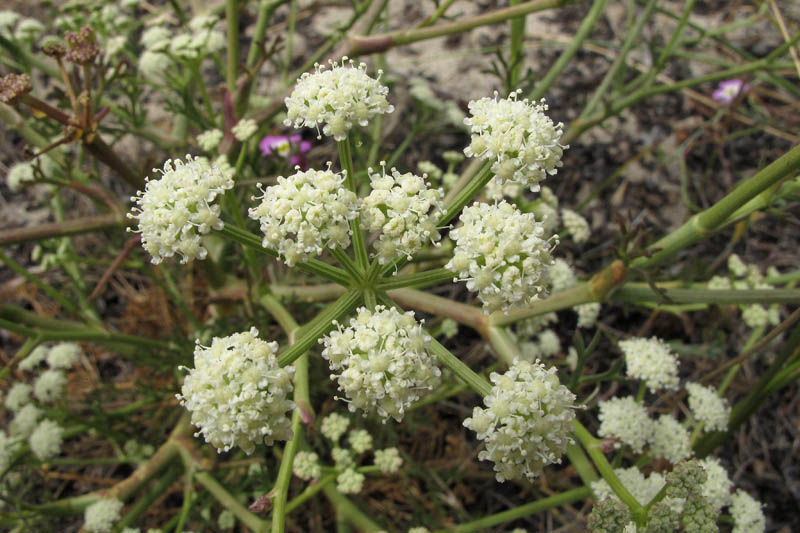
point(13, 87)
point(53, 46)
point(83, 48)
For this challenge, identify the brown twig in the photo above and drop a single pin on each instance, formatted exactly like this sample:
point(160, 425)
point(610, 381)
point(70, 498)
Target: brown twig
point(126, 250)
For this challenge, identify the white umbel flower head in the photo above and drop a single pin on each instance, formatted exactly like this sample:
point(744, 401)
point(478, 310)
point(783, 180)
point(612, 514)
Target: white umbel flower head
point(209, 140)
point(517, 136)
point(49, 385)
point(63, 356)
point(398, 206)
point(334, 425)
point(350, 482)
point(306, 465)
point(336, 99)
point(502, 254)
point(19, 395)
point(244, 129)
point(717, 487)
point(305, 213)
point(18, 174)
point(101, 515)
point(34, 358)
point(176, 209)
point(747, 514)
point(237, 393)
point(382, 361)
point(527, 421)
point(670, 440)
point(708, 407)
point(627, 420)
point(388, 460)
point(576, 226)
point(46, 439)
point(360, 440)
point(651, 360)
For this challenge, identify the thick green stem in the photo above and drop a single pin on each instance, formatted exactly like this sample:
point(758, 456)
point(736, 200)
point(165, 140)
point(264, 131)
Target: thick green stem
point(641, 292)
point(631, 39)
point(437, 305)
point(314, 266)
point(380, 43)
point(516, 43)
point(589, 22)
point(592, 447)
point(346, 509)
point(281, 489)
point(464, 196)
point(232, 16)
point(359, 245)
point(229, 501)
point(320, 325)
point(461, 370)
point(551, 502)
point(706, 222)
point(503, 344)
point(420, 280)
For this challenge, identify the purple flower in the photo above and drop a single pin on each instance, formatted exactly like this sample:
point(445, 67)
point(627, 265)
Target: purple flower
point(291, 146)
point(728, 90)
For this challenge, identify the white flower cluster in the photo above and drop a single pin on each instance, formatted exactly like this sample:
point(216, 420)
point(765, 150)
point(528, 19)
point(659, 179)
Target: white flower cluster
point(306, 465)
point(717, 488)
point(398, 206)
point(25, 421)
point(176, 209)
point(18, 174)
point(360, 440)
point(336, 98)
point(383, 361)
point(747, 514)
point(388, 460)
point(652, 361)
point(527, 421)
point(49, 385)
point(708, 407)
point(627, 420)
point(305, 213)
point(350, 482)
point(63, 355)
point(576, 226)
point(670, 439)
point(334, 425)
point(642, 488)
point(46, 439)
point(502, 255)
point(517, 135)
point(237, 393)
point(18, 396)
point(209, 140)
point(244, 129)
point(101, 515)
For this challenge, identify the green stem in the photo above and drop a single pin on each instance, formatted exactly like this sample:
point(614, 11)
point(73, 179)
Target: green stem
point(503, 344)
point(27, 347)
point(359, 245)
point(349, 511)
point(310, 491)
point(703, 224)
point(347, 263)
point(146, 501)
point(641, 292)
point(382, 42)
point(464, 196)
point(515, 58)
point(631, 39)
point(474, 381)
point(281, 488)
point(232, 16)
point(228, 500)
point(419, 280)
point(50, 230)
point(582, 465)
point(488, 523)
point(589, 22)
point(314, 266)
point(320, 325)
point(592, 447)
point(47, 289)
point(437, 305)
